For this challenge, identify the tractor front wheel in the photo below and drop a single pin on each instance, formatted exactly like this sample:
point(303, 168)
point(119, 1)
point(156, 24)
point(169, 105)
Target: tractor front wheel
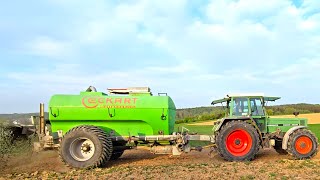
point(237, 141)
point(302, 144)
point(85, 147)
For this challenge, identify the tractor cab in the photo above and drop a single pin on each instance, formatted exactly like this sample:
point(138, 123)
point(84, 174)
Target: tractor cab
point(245, 104)
point(241, 106)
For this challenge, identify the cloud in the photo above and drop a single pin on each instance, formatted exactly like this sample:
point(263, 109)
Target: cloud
point(159, 40)
point(49, 47)
point(310, 7)
point(302, 70)
point(233, 12)
point(185, 67)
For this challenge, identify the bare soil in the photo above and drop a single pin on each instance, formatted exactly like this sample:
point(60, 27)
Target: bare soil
point(140, 164)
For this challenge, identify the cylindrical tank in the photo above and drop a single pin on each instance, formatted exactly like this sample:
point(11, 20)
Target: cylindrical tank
point(119, 115)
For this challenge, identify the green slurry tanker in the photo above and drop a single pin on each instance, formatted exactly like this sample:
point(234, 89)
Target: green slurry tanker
point(92, 127)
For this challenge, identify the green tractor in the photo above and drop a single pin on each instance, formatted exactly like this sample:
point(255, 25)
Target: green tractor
point(91, 128)
point(246, 127)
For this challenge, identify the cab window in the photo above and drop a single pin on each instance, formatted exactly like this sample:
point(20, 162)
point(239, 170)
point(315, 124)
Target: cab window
point(256, 107)
point(240, 106)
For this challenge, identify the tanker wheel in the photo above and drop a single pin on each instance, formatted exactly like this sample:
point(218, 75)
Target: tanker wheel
point(85, 147)
point(278, 147)
point(302, 144)
point(237, 141)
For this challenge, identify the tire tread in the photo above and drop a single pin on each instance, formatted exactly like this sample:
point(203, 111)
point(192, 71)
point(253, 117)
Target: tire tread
point(106, 143)
point(300, 132)
point(222, 150)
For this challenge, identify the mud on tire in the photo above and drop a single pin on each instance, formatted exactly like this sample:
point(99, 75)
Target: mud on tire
point(302, 144)
point(85, 147)
point(237, 141)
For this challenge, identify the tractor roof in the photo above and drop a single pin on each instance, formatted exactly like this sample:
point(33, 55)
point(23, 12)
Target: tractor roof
point(229, 96)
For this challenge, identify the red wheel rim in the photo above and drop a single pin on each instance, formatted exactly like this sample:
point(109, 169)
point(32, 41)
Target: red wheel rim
point(303, 145)
point(239, 142)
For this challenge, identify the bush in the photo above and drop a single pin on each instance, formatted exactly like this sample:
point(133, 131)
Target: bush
point(6, 141)
point(270, 112)
point(10, 145)
point(289, 110)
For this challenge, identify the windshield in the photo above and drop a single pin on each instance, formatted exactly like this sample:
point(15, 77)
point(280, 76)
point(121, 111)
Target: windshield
point(240, 106)
point(256, 107)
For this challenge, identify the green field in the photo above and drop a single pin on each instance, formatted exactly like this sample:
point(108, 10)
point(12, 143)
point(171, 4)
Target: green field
point(315, 128)
point(195, 129)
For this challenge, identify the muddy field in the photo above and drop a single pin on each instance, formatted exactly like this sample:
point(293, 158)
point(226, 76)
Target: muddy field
point(139, 164)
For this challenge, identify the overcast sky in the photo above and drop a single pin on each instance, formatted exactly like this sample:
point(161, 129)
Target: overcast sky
point(194, 50)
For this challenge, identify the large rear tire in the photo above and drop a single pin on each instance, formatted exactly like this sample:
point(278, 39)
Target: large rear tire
point(302, 144)
point(237, 141)
point(85, 147)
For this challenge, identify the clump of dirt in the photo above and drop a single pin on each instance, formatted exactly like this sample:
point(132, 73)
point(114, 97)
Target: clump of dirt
point(140, 164)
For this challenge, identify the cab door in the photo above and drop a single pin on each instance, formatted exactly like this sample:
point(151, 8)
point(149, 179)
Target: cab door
point(257, 113)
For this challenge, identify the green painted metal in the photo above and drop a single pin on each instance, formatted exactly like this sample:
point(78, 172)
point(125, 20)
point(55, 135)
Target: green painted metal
point(228, 98)
point(121, 115)
point(266, 98)
point(220, 101)
point(284, 124)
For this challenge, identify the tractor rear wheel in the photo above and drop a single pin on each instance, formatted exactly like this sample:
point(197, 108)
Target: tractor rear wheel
point(237, 141)
point(302, 144)
point(278, 147)
point(85, 147)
